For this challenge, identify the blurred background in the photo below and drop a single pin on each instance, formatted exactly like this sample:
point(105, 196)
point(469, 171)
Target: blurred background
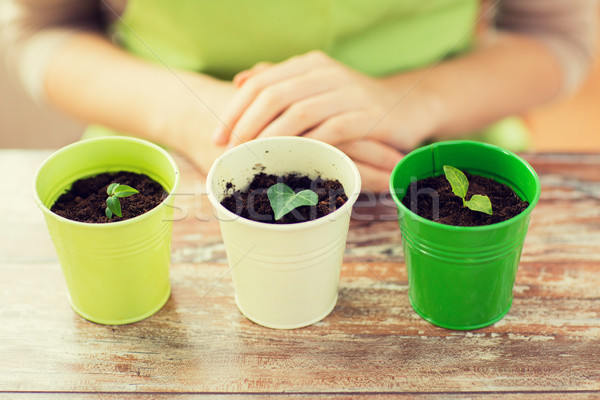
point(571, 125)
point(24, 124)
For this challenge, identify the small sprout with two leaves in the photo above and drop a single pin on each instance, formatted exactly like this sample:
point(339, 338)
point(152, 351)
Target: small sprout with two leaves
point(460, 185)
point(115, 191)
point(283, 199)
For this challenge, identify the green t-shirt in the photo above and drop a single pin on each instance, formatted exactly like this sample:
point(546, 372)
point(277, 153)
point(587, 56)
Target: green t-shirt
point(221, 38)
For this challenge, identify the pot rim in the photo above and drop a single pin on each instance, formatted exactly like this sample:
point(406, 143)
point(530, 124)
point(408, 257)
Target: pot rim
point(346, 208)
point(453, 228)
point(60, 153)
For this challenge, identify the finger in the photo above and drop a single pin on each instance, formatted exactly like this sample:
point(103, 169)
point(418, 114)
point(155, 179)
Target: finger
point(310, 112)
point(243, 76)
point(372, 153)
point(373, 179)
point(255, 84)
point(278, 98)
point(350, 126)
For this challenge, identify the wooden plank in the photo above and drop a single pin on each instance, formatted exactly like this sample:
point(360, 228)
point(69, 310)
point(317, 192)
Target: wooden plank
point(372, 341)
point(299, 396)
point(23, 236)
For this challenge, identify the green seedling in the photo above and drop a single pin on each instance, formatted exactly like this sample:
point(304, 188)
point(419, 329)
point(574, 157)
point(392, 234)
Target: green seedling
point(115, 191)
point(283, 199)
point(460, 185)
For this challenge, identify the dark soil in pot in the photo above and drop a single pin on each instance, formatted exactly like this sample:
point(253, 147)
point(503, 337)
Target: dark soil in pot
point(450, 211)
point(86, 200)
point(253, 202)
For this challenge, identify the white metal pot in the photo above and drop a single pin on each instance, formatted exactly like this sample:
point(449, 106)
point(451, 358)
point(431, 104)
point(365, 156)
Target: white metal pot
point(285, 276)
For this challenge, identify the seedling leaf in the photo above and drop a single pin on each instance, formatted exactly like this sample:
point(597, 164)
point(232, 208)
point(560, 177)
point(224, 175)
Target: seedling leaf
point(124, 191)
point(114, 191)
point(460, 185)
point(458, 181)
point(480, 203)
point(114, 206)
point(111, 189)
point(283, 199)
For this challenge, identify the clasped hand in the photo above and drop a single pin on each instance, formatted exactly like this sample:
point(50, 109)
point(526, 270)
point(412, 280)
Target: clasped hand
point(315, 96)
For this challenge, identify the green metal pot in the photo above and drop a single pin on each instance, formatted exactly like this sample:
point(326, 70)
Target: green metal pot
point(117, 273)
point(462, 277)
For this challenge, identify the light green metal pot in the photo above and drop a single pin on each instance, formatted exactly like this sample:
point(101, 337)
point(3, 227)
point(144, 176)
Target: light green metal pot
point(462, 277)
point(117, 273)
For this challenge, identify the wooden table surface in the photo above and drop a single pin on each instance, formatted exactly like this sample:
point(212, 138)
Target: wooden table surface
point(373, 344)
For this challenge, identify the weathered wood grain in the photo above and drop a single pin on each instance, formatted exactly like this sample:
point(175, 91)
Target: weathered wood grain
point(547, 347)
point(373, 341)
point(582, 395)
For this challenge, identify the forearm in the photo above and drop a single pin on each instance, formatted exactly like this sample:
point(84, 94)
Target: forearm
point(505, 77)
point(97, 82)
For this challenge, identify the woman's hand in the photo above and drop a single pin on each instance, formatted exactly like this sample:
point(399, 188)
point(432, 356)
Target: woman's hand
point(374, 160)
point(315, 96)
